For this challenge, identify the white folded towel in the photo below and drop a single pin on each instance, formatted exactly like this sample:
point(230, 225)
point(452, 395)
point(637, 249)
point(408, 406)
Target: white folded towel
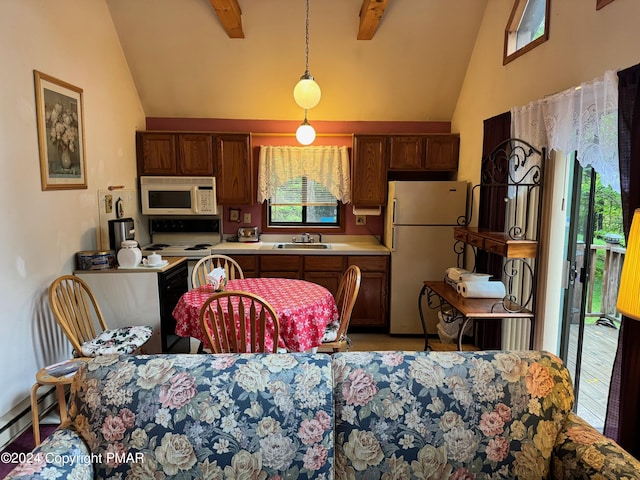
point(475, 277)
point(454, 273)
point(217, 278)
point(482, 289)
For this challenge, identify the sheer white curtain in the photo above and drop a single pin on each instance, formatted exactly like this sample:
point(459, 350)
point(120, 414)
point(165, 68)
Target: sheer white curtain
point(327, 165)
point(582, 119)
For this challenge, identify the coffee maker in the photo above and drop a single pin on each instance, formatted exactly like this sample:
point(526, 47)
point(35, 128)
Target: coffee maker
point(120, 229)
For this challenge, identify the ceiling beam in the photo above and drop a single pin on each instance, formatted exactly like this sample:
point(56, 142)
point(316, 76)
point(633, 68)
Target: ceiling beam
point(230, 16)
point(370, 16)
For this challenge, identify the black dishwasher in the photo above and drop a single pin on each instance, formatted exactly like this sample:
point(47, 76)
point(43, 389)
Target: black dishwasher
point(171, 285)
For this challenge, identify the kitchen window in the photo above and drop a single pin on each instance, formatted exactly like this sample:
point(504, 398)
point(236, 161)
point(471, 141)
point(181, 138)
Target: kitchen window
point(303, 202)
point(304, 186)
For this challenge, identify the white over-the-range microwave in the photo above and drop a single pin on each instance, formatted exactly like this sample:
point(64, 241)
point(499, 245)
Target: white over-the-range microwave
point(178, 195)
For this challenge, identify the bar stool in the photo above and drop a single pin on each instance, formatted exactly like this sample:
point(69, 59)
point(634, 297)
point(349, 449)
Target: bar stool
point(47, 376)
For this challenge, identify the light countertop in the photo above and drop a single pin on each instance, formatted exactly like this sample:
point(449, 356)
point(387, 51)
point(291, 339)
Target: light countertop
point(338, 245)
point(170, 263)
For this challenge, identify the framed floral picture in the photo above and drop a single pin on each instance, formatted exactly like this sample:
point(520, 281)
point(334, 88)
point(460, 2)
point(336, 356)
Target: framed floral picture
point(234, 215)
point(60, 118)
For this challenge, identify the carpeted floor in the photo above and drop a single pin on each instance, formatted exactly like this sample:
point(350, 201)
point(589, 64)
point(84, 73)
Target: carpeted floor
point(24, 443)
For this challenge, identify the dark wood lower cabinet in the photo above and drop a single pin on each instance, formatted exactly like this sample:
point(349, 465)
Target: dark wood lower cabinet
point(248, 265)
point(324, 270)
point(282, 266)
point(371, 310)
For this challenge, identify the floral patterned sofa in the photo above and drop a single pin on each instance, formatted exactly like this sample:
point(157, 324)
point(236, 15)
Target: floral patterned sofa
point(398, 415)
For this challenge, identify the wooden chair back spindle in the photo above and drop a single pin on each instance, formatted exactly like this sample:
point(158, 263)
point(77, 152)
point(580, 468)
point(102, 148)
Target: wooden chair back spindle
point(235, 321)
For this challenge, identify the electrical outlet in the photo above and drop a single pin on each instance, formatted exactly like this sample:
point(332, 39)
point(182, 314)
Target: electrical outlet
point(247, 218)
point(108, 203)
point(361, 219)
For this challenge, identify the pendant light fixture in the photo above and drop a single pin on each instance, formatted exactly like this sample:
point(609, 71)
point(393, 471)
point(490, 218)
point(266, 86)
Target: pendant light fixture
point(307, 92)
point(305, 134)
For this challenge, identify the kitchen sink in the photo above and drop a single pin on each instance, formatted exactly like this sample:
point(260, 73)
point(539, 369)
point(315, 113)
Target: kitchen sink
point(305, 246)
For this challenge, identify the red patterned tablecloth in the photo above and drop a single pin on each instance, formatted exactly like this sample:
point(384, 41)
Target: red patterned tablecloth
point(304, 309)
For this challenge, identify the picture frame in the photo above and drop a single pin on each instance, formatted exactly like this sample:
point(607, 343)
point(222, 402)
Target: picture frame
point(60, 121)
point(234, 215)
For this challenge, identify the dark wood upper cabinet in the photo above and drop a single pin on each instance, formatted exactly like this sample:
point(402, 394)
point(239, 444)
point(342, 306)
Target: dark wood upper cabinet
point(225, 156)
point(424, 153)
point(369, 171)
point(165, 153)
point(442, 152)
point(406, 152)
point(156, 153)
point(195, 155)
point(235, 184)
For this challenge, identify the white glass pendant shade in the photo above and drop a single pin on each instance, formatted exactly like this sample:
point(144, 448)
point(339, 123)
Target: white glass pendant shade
point(305, 133)
point(307, 92)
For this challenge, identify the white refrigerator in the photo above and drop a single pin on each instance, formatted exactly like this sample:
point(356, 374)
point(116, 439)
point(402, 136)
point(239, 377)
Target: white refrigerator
point(419, 223)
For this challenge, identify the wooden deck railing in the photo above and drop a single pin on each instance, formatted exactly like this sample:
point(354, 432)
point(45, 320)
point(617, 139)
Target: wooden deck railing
point(613, 259)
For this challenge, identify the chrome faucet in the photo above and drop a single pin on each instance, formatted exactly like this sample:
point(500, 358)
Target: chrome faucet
point(303, 238)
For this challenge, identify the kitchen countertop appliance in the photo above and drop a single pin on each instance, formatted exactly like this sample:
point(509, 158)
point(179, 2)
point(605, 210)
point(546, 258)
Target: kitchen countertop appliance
point(419, 232)
point(120, 230)
point(248, 234)
point(178, 196)
point(191, 237)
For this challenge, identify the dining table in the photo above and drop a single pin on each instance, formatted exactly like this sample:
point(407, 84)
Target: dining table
point(304, 309)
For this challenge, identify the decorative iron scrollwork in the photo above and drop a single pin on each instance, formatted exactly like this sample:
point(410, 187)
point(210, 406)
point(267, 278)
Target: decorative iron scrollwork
point(515, 166)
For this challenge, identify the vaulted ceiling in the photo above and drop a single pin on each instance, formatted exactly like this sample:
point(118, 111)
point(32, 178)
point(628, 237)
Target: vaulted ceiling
point(374, 59)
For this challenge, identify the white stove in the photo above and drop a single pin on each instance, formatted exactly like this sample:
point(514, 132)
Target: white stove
point(193, 239)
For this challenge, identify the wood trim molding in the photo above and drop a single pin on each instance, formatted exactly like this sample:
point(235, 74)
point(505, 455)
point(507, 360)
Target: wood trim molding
point(602, 3)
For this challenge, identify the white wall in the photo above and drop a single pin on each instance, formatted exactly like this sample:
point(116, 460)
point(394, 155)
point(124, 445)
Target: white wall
point(41, 231)
point(582, 45)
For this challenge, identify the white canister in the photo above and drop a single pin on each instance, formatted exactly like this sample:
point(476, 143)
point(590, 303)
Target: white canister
point(129, 255)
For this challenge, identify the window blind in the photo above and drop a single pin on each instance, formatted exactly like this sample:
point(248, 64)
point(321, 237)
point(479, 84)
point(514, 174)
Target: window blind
point(302, 191)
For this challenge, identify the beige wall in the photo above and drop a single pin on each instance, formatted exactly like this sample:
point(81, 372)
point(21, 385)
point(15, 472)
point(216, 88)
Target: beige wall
point(583, 44)
point(42, 230)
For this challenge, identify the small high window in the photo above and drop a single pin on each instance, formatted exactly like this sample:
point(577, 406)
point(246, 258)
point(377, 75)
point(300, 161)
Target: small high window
point(528, 27)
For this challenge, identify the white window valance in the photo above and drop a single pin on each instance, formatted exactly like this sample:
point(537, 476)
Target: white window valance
point(582, 119)
point(328, 165)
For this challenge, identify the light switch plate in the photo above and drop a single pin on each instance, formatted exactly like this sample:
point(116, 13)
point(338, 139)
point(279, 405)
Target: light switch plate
point(361, 219)
point(247, 218)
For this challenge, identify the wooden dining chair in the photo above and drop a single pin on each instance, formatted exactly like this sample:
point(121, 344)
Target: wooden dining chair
point(336, 339)
point(207, 264)
point(76, 310)
point(254, 319)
